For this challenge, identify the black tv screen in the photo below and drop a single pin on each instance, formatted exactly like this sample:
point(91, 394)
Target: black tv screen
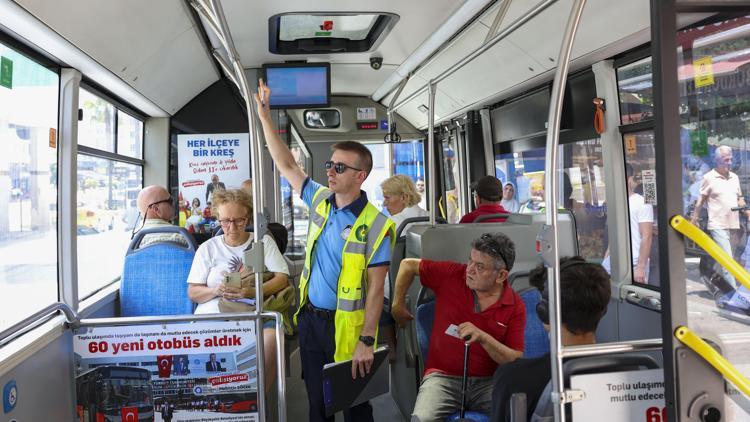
point(298, 85)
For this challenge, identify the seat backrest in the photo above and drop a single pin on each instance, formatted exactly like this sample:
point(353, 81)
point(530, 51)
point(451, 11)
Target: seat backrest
point(535, 338)
point(544, 410)
point(154, 278)
point(452, 242)
point(425, 316)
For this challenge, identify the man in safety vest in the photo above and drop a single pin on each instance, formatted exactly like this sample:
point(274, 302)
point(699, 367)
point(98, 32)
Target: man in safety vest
point(347, 256)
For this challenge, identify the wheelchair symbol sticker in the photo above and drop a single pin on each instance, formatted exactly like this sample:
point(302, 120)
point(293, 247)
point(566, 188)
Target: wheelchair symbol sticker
point(198, 390)
point(10, 396)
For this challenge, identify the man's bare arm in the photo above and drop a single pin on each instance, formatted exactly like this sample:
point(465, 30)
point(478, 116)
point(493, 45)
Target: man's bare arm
point(407, 270)
point(280, 153)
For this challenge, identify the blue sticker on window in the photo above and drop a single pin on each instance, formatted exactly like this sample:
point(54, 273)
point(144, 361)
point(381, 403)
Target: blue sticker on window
point(10, 396)
point(384, 124)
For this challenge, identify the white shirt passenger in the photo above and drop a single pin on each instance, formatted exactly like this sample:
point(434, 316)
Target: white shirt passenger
point(409, 212)
point(214, 259)
point(640, 212)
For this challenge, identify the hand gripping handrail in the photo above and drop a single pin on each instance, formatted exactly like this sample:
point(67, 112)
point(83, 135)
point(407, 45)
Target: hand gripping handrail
point(689, 230)
point(714, 358)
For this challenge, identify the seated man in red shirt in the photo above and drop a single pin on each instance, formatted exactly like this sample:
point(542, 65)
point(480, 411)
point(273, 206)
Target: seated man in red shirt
point(488, 193)
point(474, 303)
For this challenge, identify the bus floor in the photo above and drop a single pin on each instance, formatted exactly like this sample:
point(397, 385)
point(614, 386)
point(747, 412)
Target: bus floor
point(384, 408)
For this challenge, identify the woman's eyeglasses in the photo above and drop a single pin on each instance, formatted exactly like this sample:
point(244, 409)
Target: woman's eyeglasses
point(236, 222)
point(339, 167)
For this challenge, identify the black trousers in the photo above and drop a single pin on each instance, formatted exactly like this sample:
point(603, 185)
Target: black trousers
point(316, 346)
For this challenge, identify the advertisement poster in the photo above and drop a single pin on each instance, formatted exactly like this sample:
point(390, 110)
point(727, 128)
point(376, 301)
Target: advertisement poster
point(208, 162)
point(203, 371)
point(622, 396)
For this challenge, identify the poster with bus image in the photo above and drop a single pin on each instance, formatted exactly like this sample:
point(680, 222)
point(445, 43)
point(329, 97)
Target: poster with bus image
point(208, 163)
point(203, 371)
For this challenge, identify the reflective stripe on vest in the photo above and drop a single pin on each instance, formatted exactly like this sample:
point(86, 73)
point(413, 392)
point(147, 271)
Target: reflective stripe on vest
point(358, 251)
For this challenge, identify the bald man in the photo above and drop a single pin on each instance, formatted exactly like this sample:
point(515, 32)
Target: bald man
point(156, 207)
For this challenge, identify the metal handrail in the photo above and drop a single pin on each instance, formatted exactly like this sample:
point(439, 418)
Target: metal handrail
point(431, 156)
point(548, 240)
point(38, 318)
point(534, 11)
point(611, 348)
point(714, 358)
point(239, 316)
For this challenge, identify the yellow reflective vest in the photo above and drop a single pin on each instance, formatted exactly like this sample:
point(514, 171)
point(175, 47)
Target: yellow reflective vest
point(369, 230)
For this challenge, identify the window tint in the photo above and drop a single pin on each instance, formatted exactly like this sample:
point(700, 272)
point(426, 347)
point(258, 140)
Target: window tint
point(636, 92)
point(449, 204)
point(97, 129)
point(28, 188)
point(106, 214)
point(294, 211)
point(408, 159)
point(129, 135)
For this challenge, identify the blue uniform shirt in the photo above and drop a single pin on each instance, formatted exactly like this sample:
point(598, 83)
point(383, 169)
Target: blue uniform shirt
point(326, 258)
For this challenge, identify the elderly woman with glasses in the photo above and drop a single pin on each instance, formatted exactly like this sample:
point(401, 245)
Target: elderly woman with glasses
point(401, 199)
point(222, 255)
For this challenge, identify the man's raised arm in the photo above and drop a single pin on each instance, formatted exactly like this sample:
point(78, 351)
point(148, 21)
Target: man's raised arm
point(280, 153)
point(407, 270)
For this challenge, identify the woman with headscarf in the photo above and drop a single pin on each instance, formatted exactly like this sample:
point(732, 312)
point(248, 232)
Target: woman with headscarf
point(509, 201)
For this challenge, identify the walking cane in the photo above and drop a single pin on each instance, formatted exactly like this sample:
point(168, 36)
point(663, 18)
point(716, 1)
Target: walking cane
point(465, 380)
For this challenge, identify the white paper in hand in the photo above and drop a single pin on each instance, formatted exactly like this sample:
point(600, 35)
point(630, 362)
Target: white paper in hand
point(452, 330)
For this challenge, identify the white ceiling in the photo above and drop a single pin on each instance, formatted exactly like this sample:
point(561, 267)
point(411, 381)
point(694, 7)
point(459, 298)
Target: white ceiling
point(154, 48)
point(529, 52)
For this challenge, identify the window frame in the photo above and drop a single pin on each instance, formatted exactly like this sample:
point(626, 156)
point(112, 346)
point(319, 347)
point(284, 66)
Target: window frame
point(118, 105)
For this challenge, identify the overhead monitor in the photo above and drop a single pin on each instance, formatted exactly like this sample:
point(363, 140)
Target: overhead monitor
point(298, 85)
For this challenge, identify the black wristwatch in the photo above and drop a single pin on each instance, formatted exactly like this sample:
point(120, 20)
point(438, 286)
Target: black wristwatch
point(367, 340)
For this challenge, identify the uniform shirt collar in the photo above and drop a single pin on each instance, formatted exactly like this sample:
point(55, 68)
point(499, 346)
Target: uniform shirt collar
point(355, 207)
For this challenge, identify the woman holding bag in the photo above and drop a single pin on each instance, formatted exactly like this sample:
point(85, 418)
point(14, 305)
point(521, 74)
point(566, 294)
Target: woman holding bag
point(220, 259)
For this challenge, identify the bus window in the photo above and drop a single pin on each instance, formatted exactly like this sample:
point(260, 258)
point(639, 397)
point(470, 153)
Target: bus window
point(28, 186)
point(106, 187)
point(636, 97)
point(381, 170)
point(449, 200)
point(640, 174)
point(408, 159)
point(581, 188)
point(295, 213)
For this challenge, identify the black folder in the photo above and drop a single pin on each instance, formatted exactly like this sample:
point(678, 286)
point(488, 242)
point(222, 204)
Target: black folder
point(341, 392)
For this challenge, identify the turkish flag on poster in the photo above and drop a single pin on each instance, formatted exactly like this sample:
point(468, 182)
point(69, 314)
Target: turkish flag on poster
point(165, 365)
point(129, 414)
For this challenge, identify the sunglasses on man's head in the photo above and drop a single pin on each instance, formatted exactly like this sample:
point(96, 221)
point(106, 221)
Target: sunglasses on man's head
point(340, 168)
point(491, 243)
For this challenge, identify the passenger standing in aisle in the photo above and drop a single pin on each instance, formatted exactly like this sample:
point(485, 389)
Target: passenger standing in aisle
point(347, 256)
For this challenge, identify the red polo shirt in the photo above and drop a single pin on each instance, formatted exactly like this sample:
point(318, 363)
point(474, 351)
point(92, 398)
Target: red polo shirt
point(455, 304)
point(485, 209)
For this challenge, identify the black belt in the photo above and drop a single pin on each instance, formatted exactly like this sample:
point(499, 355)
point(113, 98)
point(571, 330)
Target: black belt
point(319, 312)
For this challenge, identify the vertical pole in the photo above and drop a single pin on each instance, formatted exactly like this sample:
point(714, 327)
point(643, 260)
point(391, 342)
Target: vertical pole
point(67, 187)
point(552, 253)
point(432, 171)
point(259, 229)
point(669, 188)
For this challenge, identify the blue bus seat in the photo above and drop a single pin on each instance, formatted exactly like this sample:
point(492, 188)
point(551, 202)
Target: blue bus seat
point(154, 278)
point(469, 416)
point(425, 317)
point(535, 338)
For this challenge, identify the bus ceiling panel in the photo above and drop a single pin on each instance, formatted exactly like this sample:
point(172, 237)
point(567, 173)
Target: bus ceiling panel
point(131, 40)
point(415, 111)
point(248, 22)
point(175, 74)
point(502, 67)
point(357, 79)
